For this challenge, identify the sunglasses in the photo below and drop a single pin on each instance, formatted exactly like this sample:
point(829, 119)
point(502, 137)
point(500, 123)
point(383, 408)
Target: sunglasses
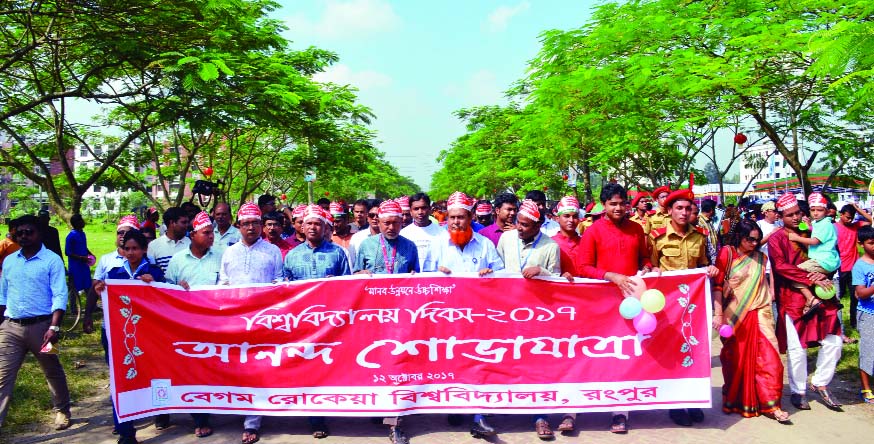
point(754, 240)
point(372, 215)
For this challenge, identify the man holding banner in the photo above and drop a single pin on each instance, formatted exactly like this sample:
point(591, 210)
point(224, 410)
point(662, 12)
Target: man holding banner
point(598, 259)
point(198, 265)
point(460, 249)
point(678, 246)
point(251, 260)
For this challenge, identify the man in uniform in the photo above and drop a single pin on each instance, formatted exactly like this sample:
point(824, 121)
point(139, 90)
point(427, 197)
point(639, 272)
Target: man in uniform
point(638, 209)
point(660, 218)
point(679, 246)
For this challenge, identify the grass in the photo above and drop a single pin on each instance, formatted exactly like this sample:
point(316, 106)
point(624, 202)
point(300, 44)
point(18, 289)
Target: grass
point(848, 366)
point(31, 400)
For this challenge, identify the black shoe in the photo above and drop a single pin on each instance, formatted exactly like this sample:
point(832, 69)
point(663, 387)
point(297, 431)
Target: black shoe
point(799, 401)
point(697, 415)
point(482, 428)
point(127, 440)
point(162, 422)
point(680, 417)
point(396, 436)
point(455, 419)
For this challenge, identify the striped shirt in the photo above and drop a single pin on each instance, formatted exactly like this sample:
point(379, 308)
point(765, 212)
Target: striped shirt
point(163, 248)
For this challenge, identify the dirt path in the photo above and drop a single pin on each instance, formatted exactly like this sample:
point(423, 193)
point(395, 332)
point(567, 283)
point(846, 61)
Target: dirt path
point(93, 425)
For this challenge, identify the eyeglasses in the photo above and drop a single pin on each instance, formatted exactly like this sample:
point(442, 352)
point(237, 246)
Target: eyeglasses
point(254, 223)
point(751, 239)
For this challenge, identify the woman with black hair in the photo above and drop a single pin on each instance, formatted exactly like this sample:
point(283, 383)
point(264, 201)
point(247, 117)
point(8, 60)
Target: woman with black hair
point(742, 295)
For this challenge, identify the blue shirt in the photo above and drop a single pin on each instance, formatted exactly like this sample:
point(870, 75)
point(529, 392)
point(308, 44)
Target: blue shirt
point(184, 266)
point(305, 262)
point(35, 286)
point(375, 251)
point(146, 267)
point(863, 274)
point(826, 253)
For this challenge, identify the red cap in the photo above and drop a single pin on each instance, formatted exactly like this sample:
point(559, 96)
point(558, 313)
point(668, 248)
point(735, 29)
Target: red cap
point(683, 194)
point(660, 190)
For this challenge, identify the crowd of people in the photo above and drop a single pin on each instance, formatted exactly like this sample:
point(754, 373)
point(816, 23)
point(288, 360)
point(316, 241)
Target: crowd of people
point(772, 271)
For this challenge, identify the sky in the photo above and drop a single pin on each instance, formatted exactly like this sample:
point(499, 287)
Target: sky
point(415, 62)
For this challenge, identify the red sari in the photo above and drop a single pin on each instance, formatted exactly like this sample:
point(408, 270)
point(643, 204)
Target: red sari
point(751, 365)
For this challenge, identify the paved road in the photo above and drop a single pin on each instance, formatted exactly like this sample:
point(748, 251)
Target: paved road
point(92, 425)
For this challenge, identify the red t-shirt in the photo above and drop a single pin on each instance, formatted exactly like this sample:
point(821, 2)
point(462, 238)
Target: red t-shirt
point(847, 238)
point(609, 247)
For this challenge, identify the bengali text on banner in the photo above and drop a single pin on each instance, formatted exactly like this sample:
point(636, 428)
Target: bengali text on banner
point(403, 344)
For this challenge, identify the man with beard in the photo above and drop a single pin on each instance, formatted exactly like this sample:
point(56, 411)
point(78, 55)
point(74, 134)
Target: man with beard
point(273, 232)
point(567, 238)
point(387, 252)
point(173, 241)
point(613, 248)
point(253, 260)
point(660, 218)
point(423, 231)
point(796, 331)
point(198, 265)
point(506, 205)
point(679, 246)
point(342, 231)
point(224, 234)
point(532, 253)
point(459, 249)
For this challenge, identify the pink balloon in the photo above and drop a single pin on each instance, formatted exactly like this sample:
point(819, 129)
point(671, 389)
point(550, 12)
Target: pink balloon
point(726, 331)
point(639, 287)
point(645, 323)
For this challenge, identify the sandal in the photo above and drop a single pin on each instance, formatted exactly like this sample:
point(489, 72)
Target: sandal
point(866, 396)
point(567, 424)
point(320, 431)
point(827, 398)
point(203, 432)
point(543, 430)
point(779, 415)
point(250, 436)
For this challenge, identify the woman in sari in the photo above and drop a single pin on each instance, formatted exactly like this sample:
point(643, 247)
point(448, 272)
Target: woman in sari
point(742, 297)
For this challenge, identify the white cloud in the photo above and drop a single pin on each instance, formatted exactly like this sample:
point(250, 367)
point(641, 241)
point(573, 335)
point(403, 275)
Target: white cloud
point(347, 19)
point(499, 18)
point(344, 75)
point(480, 88)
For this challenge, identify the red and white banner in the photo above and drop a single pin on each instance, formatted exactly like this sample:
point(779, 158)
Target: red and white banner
point(396, 345)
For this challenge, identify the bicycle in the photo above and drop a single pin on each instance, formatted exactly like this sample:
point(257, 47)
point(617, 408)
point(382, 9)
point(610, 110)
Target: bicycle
point(74, 304)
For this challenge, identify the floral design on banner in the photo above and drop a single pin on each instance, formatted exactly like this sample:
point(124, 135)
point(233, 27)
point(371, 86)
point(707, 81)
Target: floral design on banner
point(130, 337)
point(689, 340)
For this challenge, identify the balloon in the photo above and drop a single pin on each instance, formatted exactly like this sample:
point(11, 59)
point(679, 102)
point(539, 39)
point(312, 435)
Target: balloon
point(726, 331)
point(283, 197)
point(207, 171)
point(639, 287)
point(823, 293)
point(630, 308)
point(652, 300)
point(740, 138)
point(803, 226)
point(645, 323)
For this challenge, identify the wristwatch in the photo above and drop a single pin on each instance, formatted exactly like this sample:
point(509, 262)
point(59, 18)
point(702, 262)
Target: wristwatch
point(54, 328)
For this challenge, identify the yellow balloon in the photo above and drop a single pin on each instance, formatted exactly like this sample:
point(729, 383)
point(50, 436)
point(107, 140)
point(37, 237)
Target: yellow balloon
point(652, 300)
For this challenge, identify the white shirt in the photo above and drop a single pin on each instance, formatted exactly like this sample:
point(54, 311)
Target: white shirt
point(163, 248)
point(107, 262)
point(423, 237)
point(478, 254)
point(541, 251)
point(259, 264)
point(550, 227)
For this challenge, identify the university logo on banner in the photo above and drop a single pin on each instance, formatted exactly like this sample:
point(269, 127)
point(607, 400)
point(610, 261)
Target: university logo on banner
point(403, 344)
